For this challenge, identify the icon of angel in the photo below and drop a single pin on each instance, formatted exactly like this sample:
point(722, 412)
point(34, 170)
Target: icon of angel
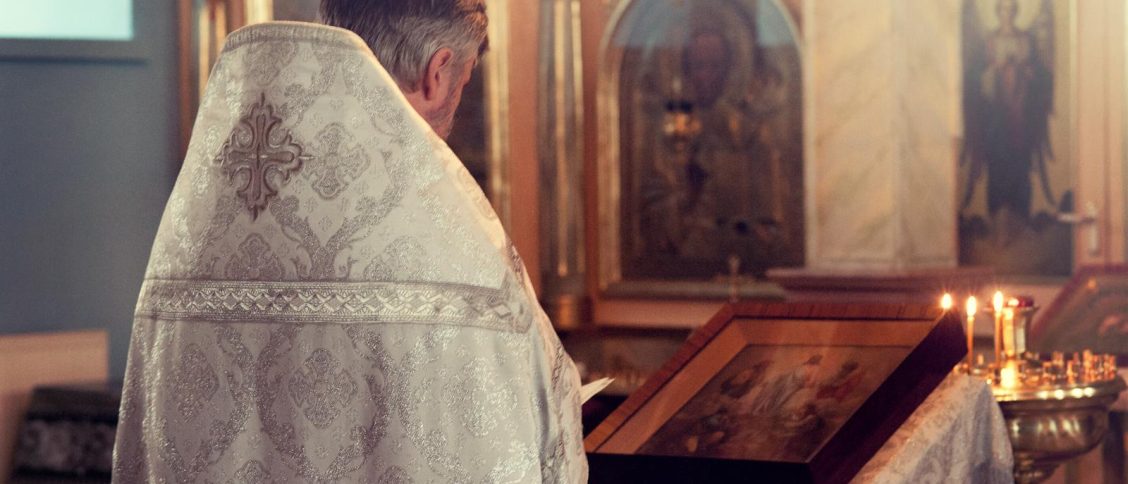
point(1008, 93)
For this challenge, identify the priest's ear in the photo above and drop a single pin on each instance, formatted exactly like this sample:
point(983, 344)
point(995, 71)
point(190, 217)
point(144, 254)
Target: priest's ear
point(438, 80)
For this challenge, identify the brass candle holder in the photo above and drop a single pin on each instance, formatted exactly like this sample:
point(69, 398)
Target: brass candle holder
point(1053, 421)
point(1056, 408)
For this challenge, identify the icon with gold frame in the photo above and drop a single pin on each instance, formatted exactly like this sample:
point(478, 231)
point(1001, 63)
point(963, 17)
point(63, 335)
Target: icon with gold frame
point(787, 392)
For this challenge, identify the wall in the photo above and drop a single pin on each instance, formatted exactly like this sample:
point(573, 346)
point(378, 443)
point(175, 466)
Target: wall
point(87, 150)
point(883, 120)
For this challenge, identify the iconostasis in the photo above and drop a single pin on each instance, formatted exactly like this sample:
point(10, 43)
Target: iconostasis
point(653, 160)
point(867, 150)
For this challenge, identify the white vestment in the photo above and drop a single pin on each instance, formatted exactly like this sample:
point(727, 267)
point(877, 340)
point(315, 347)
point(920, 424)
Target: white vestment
point(331, 298)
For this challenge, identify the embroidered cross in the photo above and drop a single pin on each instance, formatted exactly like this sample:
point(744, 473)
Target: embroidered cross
point(260, 152)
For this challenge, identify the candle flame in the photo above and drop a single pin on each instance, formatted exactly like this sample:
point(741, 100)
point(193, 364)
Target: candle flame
point(946, 302)
point(997, 301)
point(972, 306)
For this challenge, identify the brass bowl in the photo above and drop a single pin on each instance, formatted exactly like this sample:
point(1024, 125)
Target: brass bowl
point(1048, 426)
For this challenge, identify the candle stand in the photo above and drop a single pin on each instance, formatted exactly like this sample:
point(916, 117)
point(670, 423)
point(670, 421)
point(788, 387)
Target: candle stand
point(1056, 423)
point(1056, 408)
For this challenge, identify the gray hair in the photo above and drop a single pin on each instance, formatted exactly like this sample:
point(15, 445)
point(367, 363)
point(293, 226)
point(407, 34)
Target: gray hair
point(405, 34)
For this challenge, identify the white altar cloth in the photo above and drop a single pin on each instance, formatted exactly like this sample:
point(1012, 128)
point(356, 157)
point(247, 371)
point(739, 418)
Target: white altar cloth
point(957, 435)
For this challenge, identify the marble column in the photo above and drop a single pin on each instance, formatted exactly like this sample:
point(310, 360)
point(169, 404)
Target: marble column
point(882, 126)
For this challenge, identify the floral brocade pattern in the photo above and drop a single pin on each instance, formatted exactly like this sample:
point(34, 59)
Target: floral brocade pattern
point(342, 161)
point(254, 262)
point(322, 389)
point(956, 435)
point(252, 472)
point(330, 297)
point(196, 380)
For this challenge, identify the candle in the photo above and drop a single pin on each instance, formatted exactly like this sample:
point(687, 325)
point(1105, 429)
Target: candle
point(1008, 377)
point(972, 306)
point(1023, 311)
point(997, 303)
point(1008, 333)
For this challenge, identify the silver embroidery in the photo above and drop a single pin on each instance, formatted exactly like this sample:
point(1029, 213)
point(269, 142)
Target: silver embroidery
point(322, 263)
point(474, 192)
point(252, 472)
point(185, 253)
point(321, 388)
point(403, 259)
point(475, 383)
point(371, 302)
point(134, 399)
point(338, 161)
point(452, 221)
point(558, 453)
point(261, 155)
point(354, 447)
point(211, 446)
point(265, 60)
point(394, 475)
point(327, 366)
point(254, 262)
point(195, 382)
point(407, 397)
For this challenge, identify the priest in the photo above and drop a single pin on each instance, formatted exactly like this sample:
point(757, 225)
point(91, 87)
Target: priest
point(330, 297)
